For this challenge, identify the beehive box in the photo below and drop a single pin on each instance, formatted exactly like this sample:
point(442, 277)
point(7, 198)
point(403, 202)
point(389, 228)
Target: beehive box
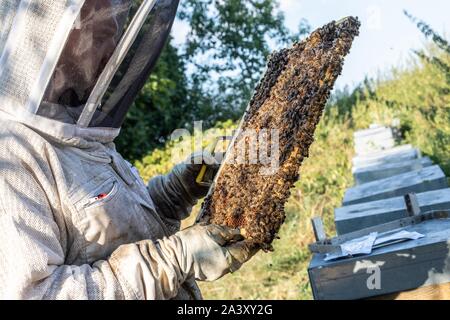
point(397, 267)
point(363, 215)
point(426, 179)
point(390, 169)
point(397, 154)
point(290, 99)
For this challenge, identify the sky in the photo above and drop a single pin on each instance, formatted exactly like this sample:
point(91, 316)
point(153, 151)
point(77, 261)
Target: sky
point(387, 36)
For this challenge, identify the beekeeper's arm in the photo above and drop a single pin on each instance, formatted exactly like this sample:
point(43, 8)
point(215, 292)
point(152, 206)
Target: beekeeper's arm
point(176, 193)
point(33, 247)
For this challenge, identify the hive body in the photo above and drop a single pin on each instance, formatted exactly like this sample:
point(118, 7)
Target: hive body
point(290, 98)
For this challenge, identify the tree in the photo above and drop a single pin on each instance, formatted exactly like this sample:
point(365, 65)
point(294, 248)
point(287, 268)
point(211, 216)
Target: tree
point(160, 107)
point(228, 45)
point(439, 41)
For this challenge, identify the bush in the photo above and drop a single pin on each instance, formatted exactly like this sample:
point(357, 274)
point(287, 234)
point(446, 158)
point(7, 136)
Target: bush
point(419, 97)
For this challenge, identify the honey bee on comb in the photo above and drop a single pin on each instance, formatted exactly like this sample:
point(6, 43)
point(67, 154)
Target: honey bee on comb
point(290, 98)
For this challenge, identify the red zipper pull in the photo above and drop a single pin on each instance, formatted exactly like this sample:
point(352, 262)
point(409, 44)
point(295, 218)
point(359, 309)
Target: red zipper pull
point(101, 196)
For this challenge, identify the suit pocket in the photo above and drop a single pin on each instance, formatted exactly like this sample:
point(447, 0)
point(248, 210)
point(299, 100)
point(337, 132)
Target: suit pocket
point(103, 195)
point(111, 218)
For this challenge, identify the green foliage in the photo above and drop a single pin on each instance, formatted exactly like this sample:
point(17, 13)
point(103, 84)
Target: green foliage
point(418, 99)
point(419, 96)
point(228, 45)
point(160, 107)
point(438, 41)
point(436, 38)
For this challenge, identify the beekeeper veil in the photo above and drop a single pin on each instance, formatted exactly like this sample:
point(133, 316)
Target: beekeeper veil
point(79, 62)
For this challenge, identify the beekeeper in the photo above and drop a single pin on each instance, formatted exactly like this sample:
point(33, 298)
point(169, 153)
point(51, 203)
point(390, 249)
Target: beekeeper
point(76, 220)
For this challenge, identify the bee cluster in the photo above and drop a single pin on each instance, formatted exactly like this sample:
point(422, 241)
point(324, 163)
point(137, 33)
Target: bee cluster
point(290, 98)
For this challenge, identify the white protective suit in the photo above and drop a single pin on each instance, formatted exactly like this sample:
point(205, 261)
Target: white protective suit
point(76, 220)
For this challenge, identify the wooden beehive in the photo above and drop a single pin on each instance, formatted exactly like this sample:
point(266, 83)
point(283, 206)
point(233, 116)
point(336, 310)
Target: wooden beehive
point(290, 98)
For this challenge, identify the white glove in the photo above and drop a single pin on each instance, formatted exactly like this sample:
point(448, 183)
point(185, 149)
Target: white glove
point(215, 250)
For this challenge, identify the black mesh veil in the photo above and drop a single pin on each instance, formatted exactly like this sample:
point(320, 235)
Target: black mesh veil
point(94, 39)
point(137, 66)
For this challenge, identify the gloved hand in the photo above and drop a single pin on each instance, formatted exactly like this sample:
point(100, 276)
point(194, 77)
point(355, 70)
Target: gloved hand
point(188, 171)
point(215, 250)
point(174, 194)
